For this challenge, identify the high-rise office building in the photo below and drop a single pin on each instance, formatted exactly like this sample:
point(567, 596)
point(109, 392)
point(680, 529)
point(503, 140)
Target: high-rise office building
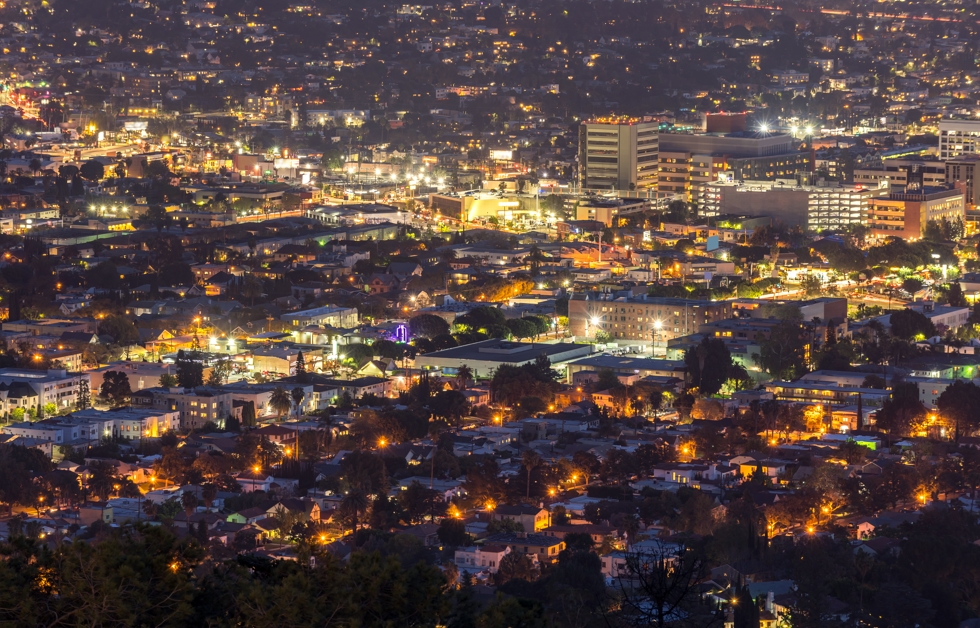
point(688, 162)
point(963, 173)
point(618, 154)
point(958, 137)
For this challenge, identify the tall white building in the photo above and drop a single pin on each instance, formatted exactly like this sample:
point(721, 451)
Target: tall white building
point(958, 137)
point(618, 154)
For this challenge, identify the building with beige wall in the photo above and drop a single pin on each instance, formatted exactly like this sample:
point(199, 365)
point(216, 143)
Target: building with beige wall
point(618, 154)
point(905, 213)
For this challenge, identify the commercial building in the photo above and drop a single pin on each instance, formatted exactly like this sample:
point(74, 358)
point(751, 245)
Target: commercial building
point(485, 205)
point(961, 173)
point(896, 173)
point(958, 137)
point(826, 205)
point(688, 162)
point(628, 365)
point(641, 319)
point(485, 356)
point(905, 212)
point(618, 154)
point(342, 317)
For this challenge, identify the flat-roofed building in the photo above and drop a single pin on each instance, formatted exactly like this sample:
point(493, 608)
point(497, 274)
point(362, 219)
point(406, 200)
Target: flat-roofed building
point(813, 207)
point(26, 388)
point(342, 317)
point(641, 319)
point(905, 212)
point(628, 365)
point(195, 406)
point(688, 162)
point(486, 356)
point(618, 154)
point(958, 137)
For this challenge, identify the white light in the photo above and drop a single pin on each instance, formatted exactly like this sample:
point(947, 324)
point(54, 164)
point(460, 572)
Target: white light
point(764, 128)
point(658, 325)
point(793, 130)
point(809, 130)
point(595, 320)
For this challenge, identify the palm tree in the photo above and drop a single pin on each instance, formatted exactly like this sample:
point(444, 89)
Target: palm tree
point(354, 503)
point(297, 396)
point(280, 402)
point(102, 477)
point(34, 165)
point(189, 501)
point(463, 375)
point(208, 493)
point(530, 460)
point(448, 255)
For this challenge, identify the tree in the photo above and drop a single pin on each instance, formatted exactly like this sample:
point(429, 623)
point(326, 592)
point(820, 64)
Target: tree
point(301, 375)
point(783, 354)
point(660, 585)
point(873, 381)
point(298, 394)
point(115, 387)
point(902, 410)
point(452, 533)
point(219, 373)
point(960, 403)
point(352, 505)
point(450, 405)
point(168, 381)
point(530, 460)
point(190, 373)
point(102, 479)
point(909, 324)
point(709, 364)
point(464, 374)
point(515, 566)
point(189, 502)
point(955, 296)
point(248, 414)
point(92, 170)
point(428, 326)
point(281, 402)
point(84, 397)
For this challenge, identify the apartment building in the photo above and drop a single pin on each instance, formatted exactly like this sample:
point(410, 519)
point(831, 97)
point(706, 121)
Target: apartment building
point(26, 388)
point(195, 406)
point(642, 319)
point(618, 154)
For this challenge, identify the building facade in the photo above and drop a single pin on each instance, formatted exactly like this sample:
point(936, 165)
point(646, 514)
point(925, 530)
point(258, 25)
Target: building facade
point(958, 137)
point(813, 207)
point(642, 319)
point(618, 154)
point(904, 213)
